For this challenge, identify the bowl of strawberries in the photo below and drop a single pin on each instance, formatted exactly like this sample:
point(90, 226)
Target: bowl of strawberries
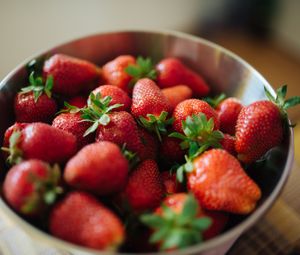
point(141, 142)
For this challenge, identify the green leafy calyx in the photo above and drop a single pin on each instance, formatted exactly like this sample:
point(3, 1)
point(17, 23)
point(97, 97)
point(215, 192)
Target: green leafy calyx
point(198, 135)
point(15, 153)
point(45, 190)
point(178, 230)
point(38, 87)
point(282, 103)
point(215, 101)
point(97, 111)
point(143, 68)
point(156, 124)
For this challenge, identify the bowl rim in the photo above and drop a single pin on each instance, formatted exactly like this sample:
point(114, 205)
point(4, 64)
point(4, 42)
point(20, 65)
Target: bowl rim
point(229, 235)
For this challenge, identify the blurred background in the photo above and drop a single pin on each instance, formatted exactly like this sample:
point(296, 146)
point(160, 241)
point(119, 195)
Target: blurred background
point(266, 33)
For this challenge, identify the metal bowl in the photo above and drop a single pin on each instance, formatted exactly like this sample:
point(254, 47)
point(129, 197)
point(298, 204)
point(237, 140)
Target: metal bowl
point(222, 69)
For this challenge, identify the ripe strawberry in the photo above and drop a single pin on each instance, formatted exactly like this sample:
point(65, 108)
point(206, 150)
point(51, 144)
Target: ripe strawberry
point(144, 189)
point(192, 107)
point(150, 148)
point(150, 106)
point(78, 101)
point(172, 72)
point(114, 71)
point(228, 111)
point(170, 149)
point(170, 183)
point(177, 94)
point(30, 186)
point(226, 187)
point(34, 103)
point(99, 168)
point(260, 125)
point(118, 96)
point(41, 141)
point(228, 144)
point(71, 75)
point(74, 124)
point(178, 223)
point(122, 129)
point(81, 219)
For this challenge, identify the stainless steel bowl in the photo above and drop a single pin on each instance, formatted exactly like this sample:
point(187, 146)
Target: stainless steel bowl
point(223, 70)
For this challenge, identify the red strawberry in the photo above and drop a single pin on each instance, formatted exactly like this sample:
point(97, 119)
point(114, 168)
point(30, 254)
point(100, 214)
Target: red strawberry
point(118, 96)
point(41, 141)
point(122, 129)
point(170, 149)
point(74, 124)
point(78, 101)
point(34, 103)
point(144, 189)
point(30, 186)
point(71, 75)
point(228, 144)
point(192, 107)
point(150, 106)
point(79, 218)
point(99, 168)
point(260, 125)
point(178, 223)
point(177, 94)
point(228, 111)
point(170, 183)
point(114, 71)
point(220, 183)
point(172, 72)
point(150, 148)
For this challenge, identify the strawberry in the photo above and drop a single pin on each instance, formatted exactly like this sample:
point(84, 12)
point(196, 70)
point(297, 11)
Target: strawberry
point(118, 96)
point(178, 223)
point(150, 148)
point(81, 219)
point(30, 186)
point(144, 189)
point(170, 183)
point(220, 183)
point(122, 129)
point(74, 124)
point(40, 141)
point(34, 103)
point(150, 106)
point(172, 72)
point(192, 107)
point(228, 144)
point(177, 94)
point(78, 101)
point(260, 125)
point(71, 75)
point(15, 127)
point(228, 111)
point(114, 73)
point(170, 149)
point(99, 168)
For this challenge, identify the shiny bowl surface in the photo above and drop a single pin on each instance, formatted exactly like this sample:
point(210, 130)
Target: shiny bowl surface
point(223, 70)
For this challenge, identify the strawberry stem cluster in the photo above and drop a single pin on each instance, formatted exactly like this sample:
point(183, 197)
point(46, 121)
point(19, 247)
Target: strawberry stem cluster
point(198, 135)
point(143, 68)
point(177, 229)
point(38, 87)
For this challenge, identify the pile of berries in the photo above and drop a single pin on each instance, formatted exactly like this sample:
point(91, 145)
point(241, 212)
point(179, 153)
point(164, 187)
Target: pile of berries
point(133, 156)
